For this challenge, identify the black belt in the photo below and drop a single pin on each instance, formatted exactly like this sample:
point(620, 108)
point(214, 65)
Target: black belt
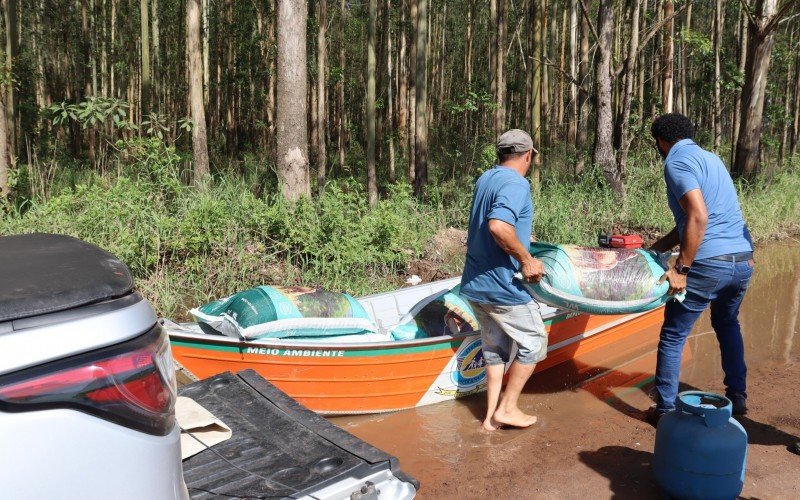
point(734, 257)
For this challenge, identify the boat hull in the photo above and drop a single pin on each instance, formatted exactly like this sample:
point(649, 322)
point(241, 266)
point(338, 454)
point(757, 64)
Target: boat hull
point(389, 376)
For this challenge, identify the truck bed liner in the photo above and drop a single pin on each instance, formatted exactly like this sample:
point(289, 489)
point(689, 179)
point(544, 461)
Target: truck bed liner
point(278, 448)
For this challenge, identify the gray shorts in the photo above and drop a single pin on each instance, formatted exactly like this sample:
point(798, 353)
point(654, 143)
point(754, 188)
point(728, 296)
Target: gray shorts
point(501, 326)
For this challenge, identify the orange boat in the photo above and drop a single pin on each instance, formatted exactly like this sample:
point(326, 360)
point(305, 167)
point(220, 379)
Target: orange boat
point(373, 377)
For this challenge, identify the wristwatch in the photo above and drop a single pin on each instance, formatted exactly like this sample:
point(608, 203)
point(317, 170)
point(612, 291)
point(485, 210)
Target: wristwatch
point(682, 269)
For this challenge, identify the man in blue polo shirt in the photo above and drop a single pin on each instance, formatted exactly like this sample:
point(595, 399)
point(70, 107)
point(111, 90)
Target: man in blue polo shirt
point(714, 265)
point(498, 247)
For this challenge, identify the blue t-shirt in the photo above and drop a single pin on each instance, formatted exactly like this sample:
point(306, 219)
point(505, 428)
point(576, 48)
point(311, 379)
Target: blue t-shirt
point(502, 194)
point(688, 167)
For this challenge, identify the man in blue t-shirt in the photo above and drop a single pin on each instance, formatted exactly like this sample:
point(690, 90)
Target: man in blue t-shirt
point(498, 247)
point(714, 265)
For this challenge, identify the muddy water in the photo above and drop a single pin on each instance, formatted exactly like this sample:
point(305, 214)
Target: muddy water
point(590, 440)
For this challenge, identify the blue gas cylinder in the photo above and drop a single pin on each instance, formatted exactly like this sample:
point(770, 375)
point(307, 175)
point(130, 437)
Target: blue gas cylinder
point(700, 450)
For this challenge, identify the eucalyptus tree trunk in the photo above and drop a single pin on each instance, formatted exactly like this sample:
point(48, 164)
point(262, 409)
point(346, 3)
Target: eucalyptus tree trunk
point(12, 49)
point(157, 83)
point(113, 52)
point(469, 39)
point(544, 56)
point(787, 105)
point(583, 98)
point(390, 94)
point(402, 77)
point(196, 104)
point(759, 51)
point(104, 87)
point(604, 127)
point(93, 45)
point(421, 105)
point(273, 78)
point(428, 72)
point(442, 61)
point(372, 180)
point(545, 93)
point(537, 69)
point(381, 28)
point(666, 78)
point(38, 50)
point(717, 111)
point(683, 96)
point(737, 106)
point(206, 34)
point(561, 89)
point(342, 108)
point(86, 49)
point(412, 93)
point(145, 41)
point(493, 55)
point(322, 64)
point(500, 111)
point(231, 139)
point(642, 80)
point(623, 121)
point(657, 79)
point(573, 71)
point(527, 11)
point(263, 138)
point(312, 94)
point(292, 105)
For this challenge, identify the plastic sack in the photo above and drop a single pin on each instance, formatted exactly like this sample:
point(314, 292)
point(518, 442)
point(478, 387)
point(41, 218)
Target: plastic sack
point(599, 280)
point(443, 313)
point(285, 312)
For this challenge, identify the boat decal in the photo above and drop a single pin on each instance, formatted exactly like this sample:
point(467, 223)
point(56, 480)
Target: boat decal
point(470, 367)
point(458, 393)
point(312, 353)
point(315, 352)
point(558, 318)
point(464, 375)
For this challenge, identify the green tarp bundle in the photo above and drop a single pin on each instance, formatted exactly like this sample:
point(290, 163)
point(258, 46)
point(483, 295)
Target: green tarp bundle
point(599, 280)
point(285, 312)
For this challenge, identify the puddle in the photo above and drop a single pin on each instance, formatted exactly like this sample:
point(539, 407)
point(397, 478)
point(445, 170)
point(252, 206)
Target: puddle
point(593, 399)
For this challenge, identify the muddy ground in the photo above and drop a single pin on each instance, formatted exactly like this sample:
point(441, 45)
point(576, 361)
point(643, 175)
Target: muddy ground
point(591, 440)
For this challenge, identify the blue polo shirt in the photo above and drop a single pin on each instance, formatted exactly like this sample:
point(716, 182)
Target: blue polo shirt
point(502, 194)
point(688, 167)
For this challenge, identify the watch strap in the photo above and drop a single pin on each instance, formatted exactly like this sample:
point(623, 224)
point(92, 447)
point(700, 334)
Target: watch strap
point(682, 269)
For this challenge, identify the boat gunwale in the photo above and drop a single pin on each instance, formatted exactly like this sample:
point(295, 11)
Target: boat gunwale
point(310, 344)
point(288, 343)
point(204, 338)
point(306, 345)
point(398, 344)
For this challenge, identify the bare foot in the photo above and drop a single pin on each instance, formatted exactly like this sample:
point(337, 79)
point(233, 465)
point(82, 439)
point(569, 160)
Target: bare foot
point(515, 418)
point(490, 425)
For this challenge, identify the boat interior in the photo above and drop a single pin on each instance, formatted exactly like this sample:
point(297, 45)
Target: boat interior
point(387, 310)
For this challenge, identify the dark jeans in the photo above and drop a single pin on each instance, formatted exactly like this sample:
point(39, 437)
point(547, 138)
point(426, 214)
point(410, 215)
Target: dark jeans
point(723, 285)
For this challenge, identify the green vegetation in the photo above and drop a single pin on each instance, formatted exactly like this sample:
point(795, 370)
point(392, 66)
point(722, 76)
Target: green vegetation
point(187, 247)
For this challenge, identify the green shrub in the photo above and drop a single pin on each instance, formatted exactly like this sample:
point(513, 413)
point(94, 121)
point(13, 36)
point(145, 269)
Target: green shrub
point(187, 247)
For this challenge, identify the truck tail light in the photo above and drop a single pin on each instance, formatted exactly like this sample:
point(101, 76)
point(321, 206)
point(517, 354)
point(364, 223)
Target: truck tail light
point(131, 384)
